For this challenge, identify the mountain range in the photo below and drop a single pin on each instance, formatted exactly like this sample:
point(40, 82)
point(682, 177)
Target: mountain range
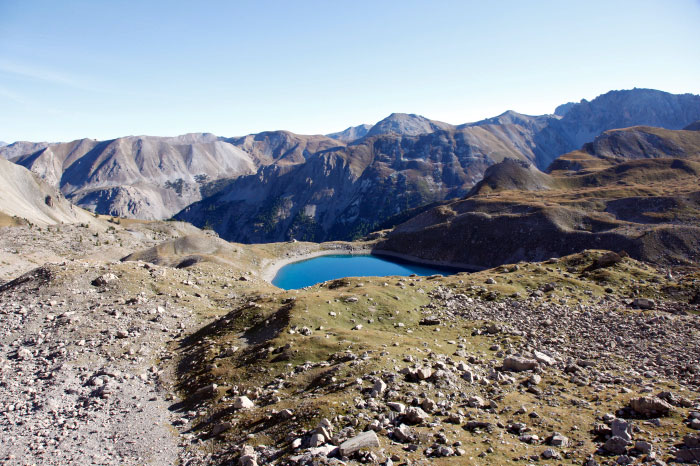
point(633, 190)
point(408, 161)
point(278, 185)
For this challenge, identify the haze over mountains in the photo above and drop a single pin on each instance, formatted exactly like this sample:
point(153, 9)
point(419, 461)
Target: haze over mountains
point(278, 185)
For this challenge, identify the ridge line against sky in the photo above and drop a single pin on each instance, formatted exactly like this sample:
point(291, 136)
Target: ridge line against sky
point(102, 70)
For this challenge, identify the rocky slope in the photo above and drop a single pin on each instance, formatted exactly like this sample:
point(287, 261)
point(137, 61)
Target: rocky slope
point(525, 363)
point(25, 197)
point(632, 190)
point(182, 353)
point(10, 151)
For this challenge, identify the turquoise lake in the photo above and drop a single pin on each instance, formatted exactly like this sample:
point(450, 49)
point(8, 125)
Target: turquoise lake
point(320, 269)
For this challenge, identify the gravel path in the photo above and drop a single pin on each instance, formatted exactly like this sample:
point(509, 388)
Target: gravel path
point(83, 372)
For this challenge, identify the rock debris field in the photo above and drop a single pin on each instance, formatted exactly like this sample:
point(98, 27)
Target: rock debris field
point(128, 363)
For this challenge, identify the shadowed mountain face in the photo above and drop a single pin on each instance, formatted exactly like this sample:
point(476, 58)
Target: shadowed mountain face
point(633, 189)
point(277, 185)
point(344, 192)
point(694, 126)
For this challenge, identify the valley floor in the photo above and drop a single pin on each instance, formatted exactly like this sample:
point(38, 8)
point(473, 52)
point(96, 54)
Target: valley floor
point(588, 359)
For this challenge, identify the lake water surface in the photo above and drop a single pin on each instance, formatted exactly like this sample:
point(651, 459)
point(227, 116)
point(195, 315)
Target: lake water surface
point(320, 269)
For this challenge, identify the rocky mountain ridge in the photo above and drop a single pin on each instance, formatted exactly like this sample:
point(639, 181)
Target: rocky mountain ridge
point(323, 199)
point(276, 185)
point(141, 177)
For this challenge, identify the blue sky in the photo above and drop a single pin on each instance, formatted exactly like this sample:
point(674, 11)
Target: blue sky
point(103, 69)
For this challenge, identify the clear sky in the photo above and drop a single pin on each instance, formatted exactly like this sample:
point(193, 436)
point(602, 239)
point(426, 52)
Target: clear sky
point(103, 69)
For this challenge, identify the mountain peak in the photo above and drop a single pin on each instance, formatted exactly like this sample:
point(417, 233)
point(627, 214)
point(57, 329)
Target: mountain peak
point(406, 124)
point(351, 134)
point(694, 126)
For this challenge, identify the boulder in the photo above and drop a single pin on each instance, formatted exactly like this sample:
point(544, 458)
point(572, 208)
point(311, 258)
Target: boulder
point(105, 279)
point(403, 434)
point(248, 457)
point(378, 388)
point(650, 406)
point(243, 402)
point(607, 260)
point(317, 440)
point(206, 392)
point(543, 358)
point(688, 455)
point(691, 441)
point(415, 415)
point(558, 440)
point(643, 447)
point(430, 320)
point(424, 373)
point(616, 446)
point(367, 439)
point(518, 364)
point(644, 303)
point(220, 428)
point(395, 406)
point(622, 429)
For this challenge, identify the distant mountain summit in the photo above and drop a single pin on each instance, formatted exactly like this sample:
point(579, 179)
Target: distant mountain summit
point(562, 109)
point(10, 151)
point(405, 124)
point(351, 134)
